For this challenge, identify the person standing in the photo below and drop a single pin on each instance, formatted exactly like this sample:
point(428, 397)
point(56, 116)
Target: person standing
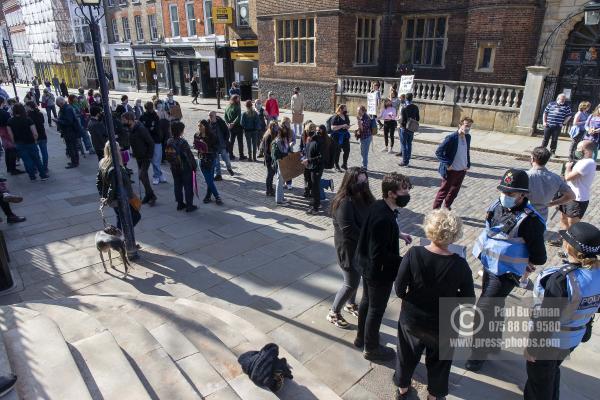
point(142, 147)
point(272, 107)
point(409, 112)
point(340, 126)
point(313, 163)
point(573, 288)
point(173, 108)
point(378, 257)
point(70, 129)
point(250, 122)
point(183, 167)
point(427, 276)
point(49, 103)
point(280, 148)
point(454, 155)
point(556, 115)
point(263, 122)
point(138, 110)
point(388, 115)
point(577, 131)
point(24, 134)
point(98, 132)
point(265, 144)
point(37, 117)
point(234, 90)
point(219, 129)
point(375, 91)
point(195, 89)
point(8, 144)
point(36, 89)
point(592, 127)
point(544, 185)
point(206, 143)
point(56, 85)
point(80, 112)
point(348, 210)
point(232, 117)
point(151, 121)
point(364, 134)
point(509, 247)
point(64, 91)
point(297, 106)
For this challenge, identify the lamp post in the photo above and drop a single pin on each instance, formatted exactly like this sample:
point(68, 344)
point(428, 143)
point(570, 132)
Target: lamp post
point(592, 13)
point(124, 211)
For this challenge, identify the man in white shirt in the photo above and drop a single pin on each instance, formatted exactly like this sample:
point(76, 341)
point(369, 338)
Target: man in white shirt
point(580, 177)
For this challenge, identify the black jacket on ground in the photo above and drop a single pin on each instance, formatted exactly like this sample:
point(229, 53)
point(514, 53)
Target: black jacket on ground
point(141, 142)
point(264, 367)
point(378, 250)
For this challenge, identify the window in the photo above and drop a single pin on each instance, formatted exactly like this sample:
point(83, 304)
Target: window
point(115, 30)
point(126, 31)
point(485, 57)
point(174, 19)
point(87, 34)
point(139, 32)
point(425, 41)
point(366, 41)
point(152, 26)
point(191, 19)
point(242, 13)
point(209, 27)
point(295, 40)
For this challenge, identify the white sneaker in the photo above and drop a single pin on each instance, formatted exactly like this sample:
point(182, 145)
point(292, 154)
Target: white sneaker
point(162, 179)
point(384, 149)
point(155, 181)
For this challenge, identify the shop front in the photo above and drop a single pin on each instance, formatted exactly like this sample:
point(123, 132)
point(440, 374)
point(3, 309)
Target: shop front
point(184, 65)
point(207, 84)
point(244, 57)
point(123, 67)
point(151, 67)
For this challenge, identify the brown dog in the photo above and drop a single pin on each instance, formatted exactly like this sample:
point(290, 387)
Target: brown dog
point(110, 238)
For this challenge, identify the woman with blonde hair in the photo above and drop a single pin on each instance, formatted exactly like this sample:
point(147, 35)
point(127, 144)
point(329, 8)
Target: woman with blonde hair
point(573, 288)
point(577, 131)
point(106, 183)
point(427, 274)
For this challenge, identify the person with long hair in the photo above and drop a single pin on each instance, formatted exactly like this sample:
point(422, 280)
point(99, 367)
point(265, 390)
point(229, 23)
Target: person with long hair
point(348, 209)
point(106, 183)
point(592, 127)
point(573, 288)
point(341, 134)
point(42, 140)
point(23, 133)
point(577, 131)
point(280, 148)
point(364, 134)
point(388, 115)
point(265, 145)
point(428, 275)
point(206, 142)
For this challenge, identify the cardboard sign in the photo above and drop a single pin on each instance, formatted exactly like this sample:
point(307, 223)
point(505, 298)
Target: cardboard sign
point(291, 167)
point(372, 103)
point(406, 84)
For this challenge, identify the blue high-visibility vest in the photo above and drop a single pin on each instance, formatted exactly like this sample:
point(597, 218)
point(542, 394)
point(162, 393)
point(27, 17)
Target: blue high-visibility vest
point(583, 287)
point(501, 252)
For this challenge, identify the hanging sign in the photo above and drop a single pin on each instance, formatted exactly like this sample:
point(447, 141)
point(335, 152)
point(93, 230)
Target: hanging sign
point(222, 15)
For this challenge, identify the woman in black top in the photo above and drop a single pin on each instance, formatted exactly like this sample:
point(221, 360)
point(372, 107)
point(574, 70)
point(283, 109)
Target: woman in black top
point(348, 209)
point(207, 143)
point(42, 141)
point(265, 147)
point(341, 135)
point(427, 274)
point(24, 134)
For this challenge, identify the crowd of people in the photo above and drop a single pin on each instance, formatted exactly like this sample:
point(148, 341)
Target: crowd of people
point(367, 231)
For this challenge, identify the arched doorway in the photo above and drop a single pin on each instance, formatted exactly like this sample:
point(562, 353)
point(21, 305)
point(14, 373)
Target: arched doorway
point(580, 70)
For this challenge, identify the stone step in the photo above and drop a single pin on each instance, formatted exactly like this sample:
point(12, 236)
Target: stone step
point(41, 358)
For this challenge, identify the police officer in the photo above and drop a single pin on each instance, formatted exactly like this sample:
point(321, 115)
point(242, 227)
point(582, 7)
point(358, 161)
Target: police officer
point(575, 289)
point(509, 247)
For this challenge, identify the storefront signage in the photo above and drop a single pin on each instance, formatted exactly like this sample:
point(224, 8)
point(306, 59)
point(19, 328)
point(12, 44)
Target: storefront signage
point(222, 15)
point(161, 53)
point(243, 43)
point(244, 56)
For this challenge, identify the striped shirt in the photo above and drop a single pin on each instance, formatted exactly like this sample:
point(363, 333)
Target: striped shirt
point(556, 113)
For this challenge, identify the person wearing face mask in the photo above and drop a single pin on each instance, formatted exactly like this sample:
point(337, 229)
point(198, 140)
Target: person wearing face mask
point(409, 112)
point(340, 126)
point(556, 115)
point(509, 247)
point(580, 177)
point(454, 155)
point(378, 258)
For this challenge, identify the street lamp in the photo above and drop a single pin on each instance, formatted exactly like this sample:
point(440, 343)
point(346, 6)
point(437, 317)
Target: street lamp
point(592, 13)
point(92, 19)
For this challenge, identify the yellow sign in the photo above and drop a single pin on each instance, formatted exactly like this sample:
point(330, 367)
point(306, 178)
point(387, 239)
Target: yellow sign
point(243, 43)
point(222, 15)
point(244, 56)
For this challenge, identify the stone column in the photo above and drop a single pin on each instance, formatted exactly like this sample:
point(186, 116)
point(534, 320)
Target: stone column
point(532, 95)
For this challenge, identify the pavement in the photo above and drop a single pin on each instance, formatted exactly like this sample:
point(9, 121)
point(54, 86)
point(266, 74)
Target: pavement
point(274, 266)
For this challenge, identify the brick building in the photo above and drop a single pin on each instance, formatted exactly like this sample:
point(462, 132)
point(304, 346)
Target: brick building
point(313, 42)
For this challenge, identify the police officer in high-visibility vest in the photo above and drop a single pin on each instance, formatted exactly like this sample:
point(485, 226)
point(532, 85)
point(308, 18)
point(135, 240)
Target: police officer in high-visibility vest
point(574, 289)
point(509, 247)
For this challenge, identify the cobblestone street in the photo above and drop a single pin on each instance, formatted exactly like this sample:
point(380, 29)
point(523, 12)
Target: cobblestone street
point(274, 266)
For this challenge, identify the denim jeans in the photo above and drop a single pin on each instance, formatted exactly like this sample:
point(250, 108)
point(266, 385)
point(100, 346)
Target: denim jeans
point(347, 293)
point(251, 143)
point(31, 158)
point(325, 184)
point(406, 139)
point(87, 141)
point(209, 178)
point(224, 154)
point(279, 186)
point(51, 110)
point(365, 144)
point(43, 146)
point(156, 159)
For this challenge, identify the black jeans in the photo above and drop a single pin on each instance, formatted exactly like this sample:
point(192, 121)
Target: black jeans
point(370, 311)
point(347, 293)
point(72, 150)
point(270, 175)
point(315, 180)
point(574, 142)
point(389, 128)
point(143, 166)
point(183, 181)
point(551, 133)
point(251, 143)
point(11, 159)
point(543, 378)
point(494, 290)
point(6, 208)
point(236, 133)
point(345, 147)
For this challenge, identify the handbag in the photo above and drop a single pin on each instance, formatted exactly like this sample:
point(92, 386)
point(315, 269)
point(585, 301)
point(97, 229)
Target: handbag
point(412, 125)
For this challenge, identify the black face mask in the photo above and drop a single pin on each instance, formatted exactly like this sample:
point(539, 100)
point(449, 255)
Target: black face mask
point(402, 201)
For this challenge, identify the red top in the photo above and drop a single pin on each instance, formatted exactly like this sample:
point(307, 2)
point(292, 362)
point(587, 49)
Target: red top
point(272, 108)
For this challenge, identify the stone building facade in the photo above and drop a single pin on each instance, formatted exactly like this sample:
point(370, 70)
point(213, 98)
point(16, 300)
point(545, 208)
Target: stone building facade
point(461, 40)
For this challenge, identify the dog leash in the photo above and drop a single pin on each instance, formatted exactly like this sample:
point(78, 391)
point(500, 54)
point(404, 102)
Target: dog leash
point(103, 203)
